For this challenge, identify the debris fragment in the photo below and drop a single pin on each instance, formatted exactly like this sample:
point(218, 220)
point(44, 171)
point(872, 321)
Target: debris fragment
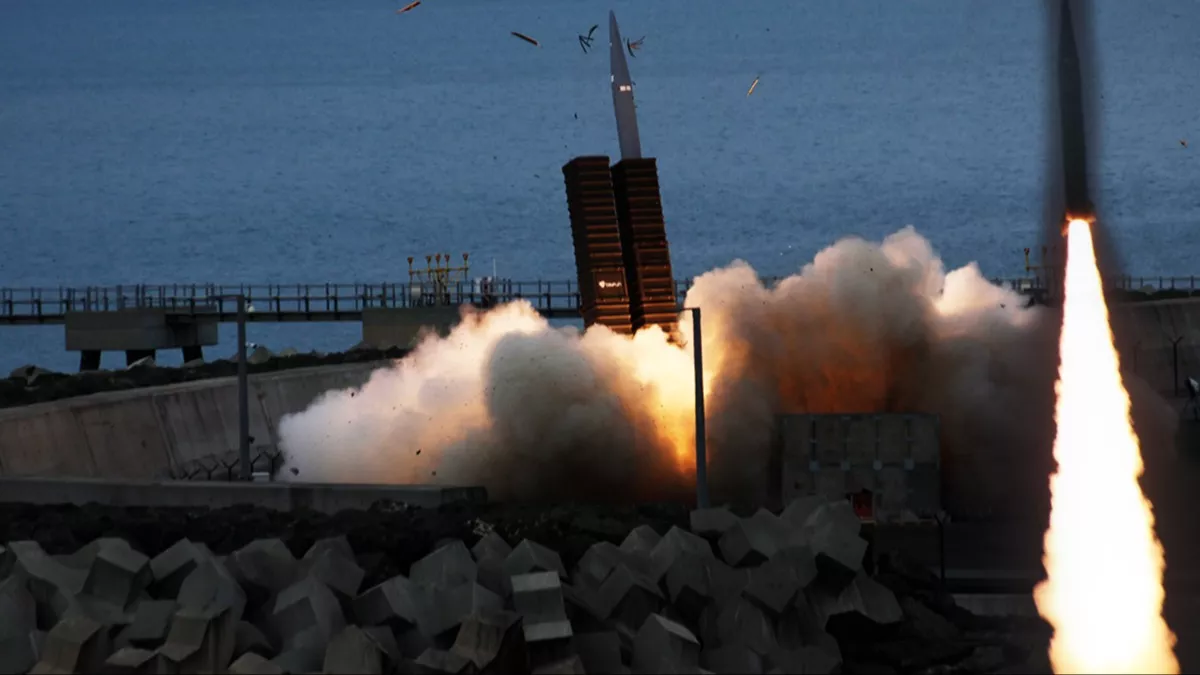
point(585, 41)
point(526, 38)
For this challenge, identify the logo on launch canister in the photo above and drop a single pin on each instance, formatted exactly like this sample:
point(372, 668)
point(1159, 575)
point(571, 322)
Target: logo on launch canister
point(610, 284)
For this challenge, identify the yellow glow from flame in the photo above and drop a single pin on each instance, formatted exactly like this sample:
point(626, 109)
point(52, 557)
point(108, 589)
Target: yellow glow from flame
point(1104, 592)
point(669, 380)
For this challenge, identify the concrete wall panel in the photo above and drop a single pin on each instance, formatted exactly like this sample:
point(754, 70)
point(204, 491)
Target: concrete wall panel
point(830, 481)
point(894, 456)
point(1150, 334)
point(141, 433)
point(193, 423)
point(204, 422)
point(860, 439)
point(892, 489)
point(923, 440)
point(828, 437)
point(44, 443)
point(893, 439)
point(120, 436)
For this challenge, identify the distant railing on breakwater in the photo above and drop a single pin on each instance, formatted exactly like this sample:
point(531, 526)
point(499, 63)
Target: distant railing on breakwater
point(346, 302)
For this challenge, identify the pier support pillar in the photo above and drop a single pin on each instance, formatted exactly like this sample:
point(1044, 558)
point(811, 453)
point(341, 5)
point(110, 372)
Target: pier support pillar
point(139, 332)
point(193, 353)
point(89, 360)
point(132, 356)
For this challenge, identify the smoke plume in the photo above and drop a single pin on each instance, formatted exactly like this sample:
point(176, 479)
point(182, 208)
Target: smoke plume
point(534, 412)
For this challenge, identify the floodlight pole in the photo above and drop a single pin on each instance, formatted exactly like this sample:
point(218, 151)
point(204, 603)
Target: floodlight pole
point(244, 470)
point(243, 392)
point(701, 430)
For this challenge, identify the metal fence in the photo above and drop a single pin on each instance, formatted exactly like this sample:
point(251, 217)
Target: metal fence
point(227, 466)
point(279, 299)
point(1164, 365)
point(299, 301)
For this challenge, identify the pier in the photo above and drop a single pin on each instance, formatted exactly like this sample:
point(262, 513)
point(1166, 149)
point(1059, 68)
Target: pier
point(142, 319)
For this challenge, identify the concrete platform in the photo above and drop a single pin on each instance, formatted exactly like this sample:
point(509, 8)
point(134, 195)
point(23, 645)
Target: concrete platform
point(327, 498)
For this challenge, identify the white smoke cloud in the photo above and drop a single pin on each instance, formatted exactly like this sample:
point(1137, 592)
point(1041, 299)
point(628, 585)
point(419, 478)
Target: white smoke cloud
point(534, 412)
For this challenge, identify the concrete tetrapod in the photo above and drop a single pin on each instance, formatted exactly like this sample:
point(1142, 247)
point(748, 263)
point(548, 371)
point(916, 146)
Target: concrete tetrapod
point(130, 660)
point(664, 646)
point(531, 556)
point(711, 522)
point(352, 650)
point(655, 603)
point(493, 641)
point(538, 598)
point(642, 540)
point(450, 565)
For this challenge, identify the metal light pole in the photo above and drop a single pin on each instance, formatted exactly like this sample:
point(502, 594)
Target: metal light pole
point(243, 392)
point(701, 431)
point(244, 468)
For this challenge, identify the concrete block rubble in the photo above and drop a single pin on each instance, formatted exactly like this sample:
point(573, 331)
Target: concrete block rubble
point(768, 593)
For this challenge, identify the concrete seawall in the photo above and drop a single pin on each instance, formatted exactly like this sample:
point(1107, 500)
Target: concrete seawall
point(222, 494)
point(137, 434)
point(140, 433)
point(1151, 328)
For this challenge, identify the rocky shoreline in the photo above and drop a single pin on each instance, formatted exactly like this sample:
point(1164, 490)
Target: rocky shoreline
point(488, 588)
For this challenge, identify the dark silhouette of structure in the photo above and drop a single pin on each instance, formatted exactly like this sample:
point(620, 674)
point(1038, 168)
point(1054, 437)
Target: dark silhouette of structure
point(599, 259)
point(647, 255)
point(617, 223)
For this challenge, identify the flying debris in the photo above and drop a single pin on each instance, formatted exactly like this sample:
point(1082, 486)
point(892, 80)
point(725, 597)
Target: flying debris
point(585, 41)
point(633, 45)
point(526, 38)
point(752, 86)
point(409, 7)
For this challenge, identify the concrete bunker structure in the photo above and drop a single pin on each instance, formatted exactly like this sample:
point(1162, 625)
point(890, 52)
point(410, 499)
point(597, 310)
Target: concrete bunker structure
point(893, 460)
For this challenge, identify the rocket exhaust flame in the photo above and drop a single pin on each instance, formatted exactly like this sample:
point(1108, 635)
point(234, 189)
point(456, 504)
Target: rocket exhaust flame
point(1104, 592)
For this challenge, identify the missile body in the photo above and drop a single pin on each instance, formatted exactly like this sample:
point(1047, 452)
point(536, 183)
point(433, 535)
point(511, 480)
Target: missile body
point(622, 91)
point(1072, 132)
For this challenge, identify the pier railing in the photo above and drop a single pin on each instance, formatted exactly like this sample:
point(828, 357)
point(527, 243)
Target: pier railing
point(317, 302)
